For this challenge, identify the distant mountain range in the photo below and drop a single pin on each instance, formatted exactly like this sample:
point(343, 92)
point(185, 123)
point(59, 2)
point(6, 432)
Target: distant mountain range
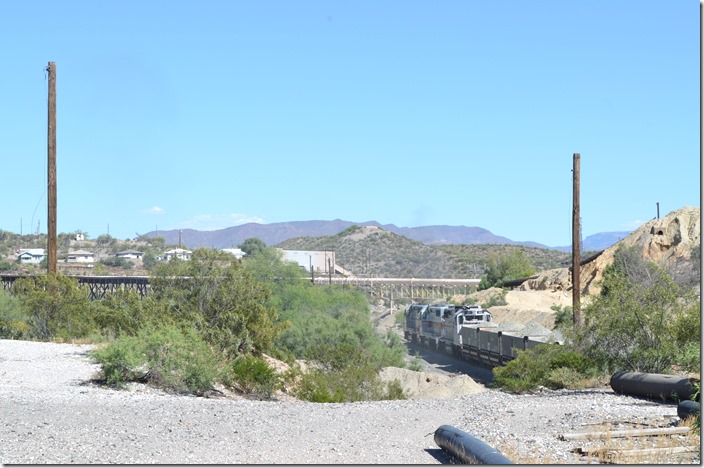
point(275, 233)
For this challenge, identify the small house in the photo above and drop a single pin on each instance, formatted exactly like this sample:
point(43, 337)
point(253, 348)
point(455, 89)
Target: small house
point(130, 254)
point(182, 254)
point(80, 256)
point(31, 256)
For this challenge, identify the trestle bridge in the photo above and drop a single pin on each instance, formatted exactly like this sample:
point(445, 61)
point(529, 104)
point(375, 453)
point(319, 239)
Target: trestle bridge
point(386, 288)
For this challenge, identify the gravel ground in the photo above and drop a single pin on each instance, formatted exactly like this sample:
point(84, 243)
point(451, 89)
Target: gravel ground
point(51, 414)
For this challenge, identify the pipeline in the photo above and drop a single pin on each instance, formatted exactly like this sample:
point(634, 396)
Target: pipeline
point(657, 386)
point(687, 408)
point(468, 449)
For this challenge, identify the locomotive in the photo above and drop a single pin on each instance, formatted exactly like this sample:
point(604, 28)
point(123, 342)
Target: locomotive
point(467, 332)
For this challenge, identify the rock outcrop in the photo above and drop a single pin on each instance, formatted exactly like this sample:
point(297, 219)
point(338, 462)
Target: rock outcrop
point(665, 241)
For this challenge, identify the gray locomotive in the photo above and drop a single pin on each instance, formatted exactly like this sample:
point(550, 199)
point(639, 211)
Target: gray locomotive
point(467, 332)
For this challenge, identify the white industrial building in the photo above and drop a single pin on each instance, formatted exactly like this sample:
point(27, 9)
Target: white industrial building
point(322, 261)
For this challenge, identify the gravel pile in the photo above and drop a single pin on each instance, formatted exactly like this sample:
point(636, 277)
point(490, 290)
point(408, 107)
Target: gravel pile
point(51, 414)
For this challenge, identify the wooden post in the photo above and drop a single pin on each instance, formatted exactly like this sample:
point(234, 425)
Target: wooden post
point(576, 286)
point(51, 186)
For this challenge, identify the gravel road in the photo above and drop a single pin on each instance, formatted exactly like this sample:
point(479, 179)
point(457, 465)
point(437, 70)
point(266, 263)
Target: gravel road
point(50, 413)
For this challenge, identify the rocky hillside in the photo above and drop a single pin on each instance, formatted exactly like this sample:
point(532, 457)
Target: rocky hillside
point(673, 242)
point(370, 250)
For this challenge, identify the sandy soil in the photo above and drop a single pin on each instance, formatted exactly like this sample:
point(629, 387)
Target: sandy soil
point(531, 306)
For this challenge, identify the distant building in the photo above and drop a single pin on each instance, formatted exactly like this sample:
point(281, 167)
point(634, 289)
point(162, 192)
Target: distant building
point(31, 256)
point(130, 254)
point(80, 256)
point(183, 254)
point(322, 261)
point(238, 253)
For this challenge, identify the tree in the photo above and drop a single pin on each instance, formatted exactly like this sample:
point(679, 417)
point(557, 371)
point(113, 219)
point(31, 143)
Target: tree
point(215, 293)
point(252, 246)
point(506, 266)
point(105, 240)
point(269, 266)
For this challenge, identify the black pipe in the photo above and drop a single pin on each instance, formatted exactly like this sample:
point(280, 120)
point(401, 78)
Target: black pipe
point(468, 449)
point(687, 408)
point(657, 386)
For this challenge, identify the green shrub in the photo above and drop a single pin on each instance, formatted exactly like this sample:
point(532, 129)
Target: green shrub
point(564, 317)
point(505, 266)
point(498, 299)
point(565, 377)
point(117, 262)
point(213, 293)
point(14, 321)
point(14, 329)
point(347, 384)
point(167, 357)
point(57, 307)
point(394, 391)
point(416, 364)
point(121, 361)
point(254, 376)
point(344, 372)
point(690, 358)
point(178, 359)
point(642, 319)
point(548, 365)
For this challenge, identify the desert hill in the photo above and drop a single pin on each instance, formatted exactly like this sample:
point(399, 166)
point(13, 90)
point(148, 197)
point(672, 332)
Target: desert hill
point(673, 242)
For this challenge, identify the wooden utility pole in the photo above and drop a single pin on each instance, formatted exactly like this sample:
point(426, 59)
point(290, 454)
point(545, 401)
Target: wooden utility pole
point(576, 285)
point(51, 188)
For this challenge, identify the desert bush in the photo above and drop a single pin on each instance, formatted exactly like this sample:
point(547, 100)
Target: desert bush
point(564, 316)
point(14, 319)
point(57, 306)
point(505, 266)
point(690, 358)
point(254, 376)
point(117, 262)
point(347, 384)
point(344, 372)
point(416, 364)
point(168, 357)
point(121, 361)
point(565, 377)
point(548, 365)
point(641, 321)
point(217, 296)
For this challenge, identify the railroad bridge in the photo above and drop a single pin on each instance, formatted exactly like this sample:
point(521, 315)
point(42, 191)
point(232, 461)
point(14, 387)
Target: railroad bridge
point(387, 288)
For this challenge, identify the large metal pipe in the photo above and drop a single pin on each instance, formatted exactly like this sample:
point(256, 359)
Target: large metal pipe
point(468, 449)
point(687, 408)
point(657, 386)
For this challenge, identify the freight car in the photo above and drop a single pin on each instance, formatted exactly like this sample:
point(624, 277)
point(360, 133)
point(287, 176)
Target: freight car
point(467, 332)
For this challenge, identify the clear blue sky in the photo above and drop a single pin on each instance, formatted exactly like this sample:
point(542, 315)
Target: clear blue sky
point(210, 114)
